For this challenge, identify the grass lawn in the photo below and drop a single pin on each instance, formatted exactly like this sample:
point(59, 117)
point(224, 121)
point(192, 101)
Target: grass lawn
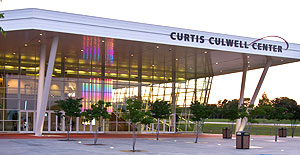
point(265, 121)
point(254, 130)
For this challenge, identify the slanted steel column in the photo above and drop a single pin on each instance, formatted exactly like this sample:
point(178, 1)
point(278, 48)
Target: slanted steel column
point(245, 69)
point(46, 90)
point(261, 80)
point(41, 80)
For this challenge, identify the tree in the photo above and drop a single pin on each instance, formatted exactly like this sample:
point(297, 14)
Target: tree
point(253, 113)
point(200, 113)
point(230, 110)
point(71, 108)
point(160, 110)
point(292, 110)
point(272, 112)
point(135, 114)
point(263, 101)
point(98, 111)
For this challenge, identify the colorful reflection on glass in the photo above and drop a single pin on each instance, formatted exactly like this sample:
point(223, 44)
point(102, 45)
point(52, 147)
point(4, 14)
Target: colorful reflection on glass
point(92, 90)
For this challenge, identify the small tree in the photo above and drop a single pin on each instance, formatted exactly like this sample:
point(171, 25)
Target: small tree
point(160, 110)
point(230, 110)
point(135, 114)
point(253, 113)
point(71, 108)
point(200, 113)
point(98, 111)
point(272, 112)
point(292, 112)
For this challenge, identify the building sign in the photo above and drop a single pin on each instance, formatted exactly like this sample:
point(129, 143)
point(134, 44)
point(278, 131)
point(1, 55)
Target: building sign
point(217, 41)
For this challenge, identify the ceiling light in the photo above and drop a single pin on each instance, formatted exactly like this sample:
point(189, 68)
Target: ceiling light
point(217, 63)
point(41, 34)
point(170, 49)
point(176, 59)
point(248, 62)
point(103, 41)
point(157, 46)
point(81, 50)
point(14, 53)
point(281, 60)
point(248, 56)
point(39, 41)
point(221, 71)
point(26, 45)
point(248, 66)
point(205, 52)
point(131, 54)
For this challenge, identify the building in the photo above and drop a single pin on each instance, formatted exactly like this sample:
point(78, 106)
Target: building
point(111, 60)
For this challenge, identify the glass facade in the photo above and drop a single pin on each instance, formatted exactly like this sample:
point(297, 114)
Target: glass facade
point(98, 68)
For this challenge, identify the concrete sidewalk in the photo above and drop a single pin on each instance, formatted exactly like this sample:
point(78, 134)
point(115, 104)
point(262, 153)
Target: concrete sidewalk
point(166, 146)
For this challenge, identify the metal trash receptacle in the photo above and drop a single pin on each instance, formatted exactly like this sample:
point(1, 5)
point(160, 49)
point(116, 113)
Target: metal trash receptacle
point(227, 133)
point(242, 140)
point(282, 132)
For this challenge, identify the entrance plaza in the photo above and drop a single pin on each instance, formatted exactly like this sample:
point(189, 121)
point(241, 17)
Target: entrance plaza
point(47, 56)
point(169, 144)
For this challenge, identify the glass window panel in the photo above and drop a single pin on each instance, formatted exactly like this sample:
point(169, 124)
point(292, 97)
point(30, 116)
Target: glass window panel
point(12, 104)
point(30, 121)
point(1, 114)
point(28, 104)
point(11, 114)
point(1, 126)
point(23, 121)
point(11, 125)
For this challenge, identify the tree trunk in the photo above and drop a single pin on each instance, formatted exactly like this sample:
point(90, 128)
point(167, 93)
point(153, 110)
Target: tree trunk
point(96, 133)
point(293, 125)
point(232, 126)
point(276, 132)
point(198, 128)
point(69, 127)
point(157, 130)
point(134, 138)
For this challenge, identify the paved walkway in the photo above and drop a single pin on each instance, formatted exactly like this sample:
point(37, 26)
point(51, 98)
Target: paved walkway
point(177, 145)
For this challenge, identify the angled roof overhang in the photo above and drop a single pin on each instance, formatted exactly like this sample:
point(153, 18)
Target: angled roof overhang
point(225, 51)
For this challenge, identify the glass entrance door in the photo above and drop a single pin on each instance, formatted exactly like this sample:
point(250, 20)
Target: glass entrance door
point(27, 119)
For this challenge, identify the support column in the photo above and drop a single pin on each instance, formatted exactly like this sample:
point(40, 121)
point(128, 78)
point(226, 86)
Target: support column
point(173, 88)
point(245, 69)
point(195, 76)
point(41, 81)
point(140, 75)
point(46, 90)
point(261, 80)
point(102, 55)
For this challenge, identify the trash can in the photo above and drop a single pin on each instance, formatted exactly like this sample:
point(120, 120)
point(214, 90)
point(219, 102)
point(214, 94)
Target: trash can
point(242, 140)
point(227, 134)
point(282, 132)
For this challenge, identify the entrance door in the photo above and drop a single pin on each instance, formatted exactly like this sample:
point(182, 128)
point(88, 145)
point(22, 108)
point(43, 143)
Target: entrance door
point(27, 119)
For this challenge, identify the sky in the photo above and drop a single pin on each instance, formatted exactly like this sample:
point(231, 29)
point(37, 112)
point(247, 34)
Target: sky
point(249, 18)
